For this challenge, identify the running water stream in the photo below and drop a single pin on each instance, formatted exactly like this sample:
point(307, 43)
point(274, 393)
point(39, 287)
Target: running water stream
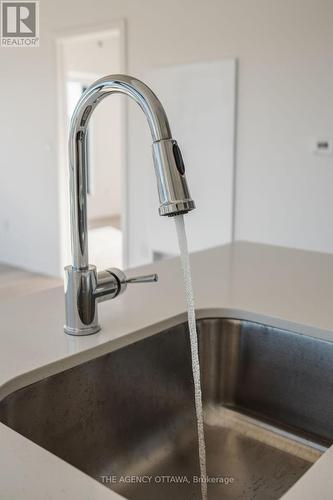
point(182, 241)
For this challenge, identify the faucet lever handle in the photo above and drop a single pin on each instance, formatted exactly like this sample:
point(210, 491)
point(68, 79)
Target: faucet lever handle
point(147, 278)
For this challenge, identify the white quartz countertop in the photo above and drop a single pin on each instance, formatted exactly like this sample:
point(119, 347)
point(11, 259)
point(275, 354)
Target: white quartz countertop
point(281, 287)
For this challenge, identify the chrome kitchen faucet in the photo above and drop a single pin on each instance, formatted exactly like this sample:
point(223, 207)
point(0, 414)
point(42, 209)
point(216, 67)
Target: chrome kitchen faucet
point(84, 286)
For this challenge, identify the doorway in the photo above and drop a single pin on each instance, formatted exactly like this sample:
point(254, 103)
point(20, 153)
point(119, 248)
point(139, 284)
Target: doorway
point(84, 58)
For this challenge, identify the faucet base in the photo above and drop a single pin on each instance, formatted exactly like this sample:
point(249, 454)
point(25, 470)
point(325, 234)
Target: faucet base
point(84, 288)
point(80, 332)
point(81, 307)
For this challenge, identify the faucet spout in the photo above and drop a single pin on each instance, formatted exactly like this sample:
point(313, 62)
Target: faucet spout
point(169, 167)
point(84, 286)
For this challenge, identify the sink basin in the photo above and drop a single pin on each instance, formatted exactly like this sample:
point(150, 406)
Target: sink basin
point(127, 418)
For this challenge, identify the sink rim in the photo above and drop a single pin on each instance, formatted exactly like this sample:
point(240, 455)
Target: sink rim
point(127, 338)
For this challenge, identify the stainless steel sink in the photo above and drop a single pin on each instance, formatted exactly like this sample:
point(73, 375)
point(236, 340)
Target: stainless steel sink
point(127, 418)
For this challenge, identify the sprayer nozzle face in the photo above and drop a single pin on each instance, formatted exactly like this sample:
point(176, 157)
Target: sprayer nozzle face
point(177, 208)
point(172, 186)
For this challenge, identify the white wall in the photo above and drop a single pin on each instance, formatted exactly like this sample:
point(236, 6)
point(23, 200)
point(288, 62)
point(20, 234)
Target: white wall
point(29, 219)
point(205, 131)
point(285, 58)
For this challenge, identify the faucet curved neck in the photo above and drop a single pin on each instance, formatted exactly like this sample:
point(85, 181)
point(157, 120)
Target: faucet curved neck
point(159, 128)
